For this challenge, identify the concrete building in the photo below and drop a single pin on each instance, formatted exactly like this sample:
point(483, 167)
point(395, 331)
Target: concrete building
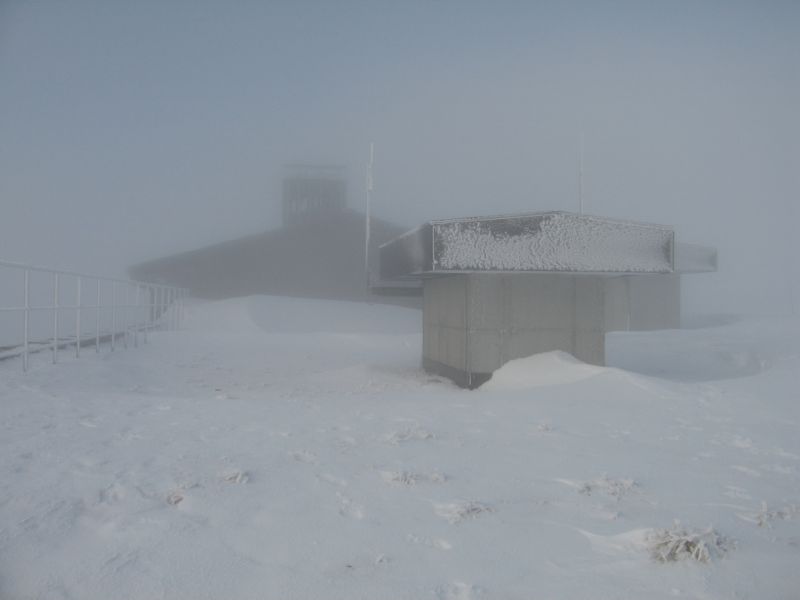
point(499, 288)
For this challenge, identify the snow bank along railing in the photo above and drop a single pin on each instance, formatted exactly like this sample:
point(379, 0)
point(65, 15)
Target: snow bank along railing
point(119, 308)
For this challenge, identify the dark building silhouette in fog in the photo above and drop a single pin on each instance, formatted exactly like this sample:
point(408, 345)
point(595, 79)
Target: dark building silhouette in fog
point(312, 192)
point(317, 253)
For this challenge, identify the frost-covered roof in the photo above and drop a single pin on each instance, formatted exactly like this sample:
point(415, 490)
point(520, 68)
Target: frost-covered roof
point(536, 242)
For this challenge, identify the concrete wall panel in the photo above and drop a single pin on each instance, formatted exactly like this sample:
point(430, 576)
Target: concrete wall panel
point(642, 303)
point(486, 350)
point(476, 323)
point(522, 343)
point(589, 300)
point(541, 300)
point(590, 347)
point(444, 301)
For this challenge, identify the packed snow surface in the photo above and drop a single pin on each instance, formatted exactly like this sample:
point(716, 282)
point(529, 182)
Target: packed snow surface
point(281, 448)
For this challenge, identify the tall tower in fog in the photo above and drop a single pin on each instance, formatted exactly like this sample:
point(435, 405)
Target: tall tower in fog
point(311, 192)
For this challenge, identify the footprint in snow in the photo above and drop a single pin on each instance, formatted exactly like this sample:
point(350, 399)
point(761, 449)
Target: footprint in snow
point(349, 508)
point(746, 470)
point(732, 491)
point(304, 456)
point(608, 486)
point(438, 543)
point(408, 478)
point(408, 434)
point(236, 477)
point(456, 512)
point(458, 590)
point(333, 480)
point(175, 497)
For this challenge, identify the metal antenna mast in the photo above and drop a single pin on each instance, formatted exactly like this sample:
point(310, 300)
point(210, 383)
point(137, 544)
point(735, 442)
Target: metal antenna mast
point(368, 211)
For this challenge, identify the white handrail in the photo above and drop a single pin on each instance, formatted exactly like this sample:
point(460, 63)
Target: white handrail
point(134, 316)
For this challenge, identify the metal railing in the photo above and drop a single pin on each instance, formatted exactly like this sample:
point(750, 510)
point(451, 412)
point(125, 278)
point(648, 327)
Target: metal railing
point(122, 310)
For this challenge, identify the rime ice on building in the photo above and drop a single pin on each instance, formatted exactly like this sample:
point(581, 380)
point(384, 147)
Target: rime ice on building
point(499, 288)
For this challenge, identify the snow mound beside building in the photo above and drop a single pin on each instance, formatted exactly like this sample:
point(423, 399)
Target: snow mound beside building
point(546, 368)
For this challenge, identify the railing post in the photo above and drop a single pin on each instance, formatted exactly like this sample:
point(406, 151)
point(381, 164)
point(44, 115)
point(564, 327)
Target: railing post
point(26, 321)
point(78, 320)
point(179, 309)
point(125, 315)
point(136, 316)
point(172, 308)
point(113, 314)
point(97, 322)
point(148, 312)
point(55, 318)
point(136, 308)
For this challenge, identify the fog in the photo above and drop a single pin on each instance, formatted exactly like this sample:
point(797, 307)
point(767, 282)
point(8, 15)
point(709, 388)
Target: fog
point(133, 130)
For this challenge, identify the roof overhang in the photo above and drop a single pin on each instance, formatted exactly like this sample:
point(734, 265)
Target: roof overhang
point(548, 242)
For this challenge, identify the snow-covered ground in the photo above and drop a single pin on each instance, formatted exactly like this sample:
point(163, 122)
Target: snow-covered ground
point(282, 448)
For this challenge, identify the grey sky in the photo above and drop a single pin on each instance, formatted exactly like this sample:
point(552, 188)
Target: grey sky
point(131, 129)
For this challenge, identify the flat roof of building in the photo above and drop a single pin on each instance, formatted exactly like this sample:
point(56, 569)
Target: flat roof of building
point(553, 241)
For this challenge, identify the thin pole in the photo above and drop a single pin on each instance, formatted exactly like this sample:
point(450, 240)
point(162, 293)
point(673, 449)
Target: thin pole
point(149, 311)
point(55, 318)
point(178, 307)
point(137, 313)
point(368, 213)
point(580, 176)
point(78, 320)
point(26, 321)
point(124, 307)
point(113, 314)
point(170, 308)
point(184, 293)
point(97, 321)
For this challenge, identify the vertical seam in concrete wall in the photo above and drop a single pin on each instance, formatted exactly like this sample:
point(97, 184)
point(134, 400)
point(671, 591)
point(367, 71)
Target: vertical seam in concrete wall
point(628, 302)
point(574, 315)
point(433, 247)
point(506, 329)
point(467, 349)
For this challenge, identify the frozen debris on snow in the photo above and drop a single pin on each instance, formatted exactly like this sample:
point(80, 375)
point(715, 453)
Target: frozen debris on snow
point(458, 590)
point(409, 434)
point(236, 477)
point(408, 478)
point(679, 543)
point(175, 497)
point(456, 512)
point(303, 456)
point(764, 516)
point(616, 488)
